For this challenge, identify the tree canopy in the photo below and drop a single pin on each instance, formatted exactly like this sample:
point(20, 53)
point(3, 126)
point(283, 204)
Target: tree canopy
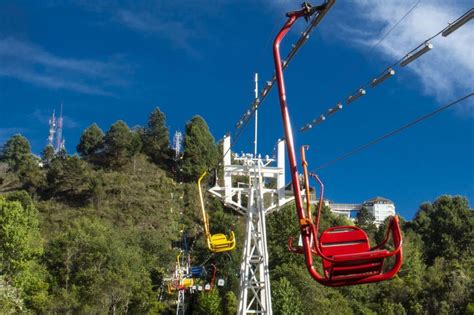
point(156, 138)
point(15, 151)
point(200, 150)
point(120, 145)
point(446, 227)
point(91, 143)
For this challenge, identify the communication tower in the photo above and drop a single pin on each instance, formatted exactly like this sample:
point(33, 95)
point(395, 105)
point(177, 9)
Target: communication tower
point(177, 143)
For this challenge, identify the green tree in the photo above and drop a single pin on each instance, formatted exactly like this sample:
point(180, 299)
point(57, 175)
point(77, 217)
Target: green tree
point(70, 179)
point(365, 220)
point(19, 236)
point(120, 145)
point(200, 150)
point(15, 152)
point(231, 303)
point(98, 270)
point(286, 298)
point(33, 281)
point(156, 138)
point(329, 219)
point(91, 144)
point(47, 155)
point(10, 300)
point(364, 217)
point(31, 175)
point(448, 287)
point(208, 303)
point(20, 247)
point(446, 227)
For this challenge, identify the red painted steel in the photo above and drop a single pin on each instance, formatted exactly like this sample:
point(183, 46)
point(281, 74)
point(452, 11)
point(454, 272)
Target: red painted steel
point(213, 275)
point(345, 251)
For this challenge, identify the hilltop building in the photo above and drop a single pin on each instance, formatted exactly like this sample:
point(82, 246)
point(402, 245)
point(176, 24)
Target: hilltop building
point(379, 207)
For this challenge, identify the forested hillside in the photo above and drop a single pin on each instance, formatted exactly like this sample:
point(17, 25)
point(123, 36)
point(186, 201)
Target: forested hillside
point(97, 232)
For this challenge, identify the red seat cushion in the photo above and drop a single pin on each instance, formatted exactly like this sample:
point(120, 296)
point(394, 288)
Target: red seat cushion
point(350, 248)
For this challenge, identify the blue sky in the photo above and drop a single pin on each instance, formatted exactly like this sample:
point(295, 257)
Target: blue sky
point(110, 60)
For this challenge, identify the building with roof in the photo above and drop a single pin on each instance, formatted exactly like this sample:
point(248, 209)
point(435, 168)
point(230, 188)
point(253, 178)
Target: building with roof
point(379, 207)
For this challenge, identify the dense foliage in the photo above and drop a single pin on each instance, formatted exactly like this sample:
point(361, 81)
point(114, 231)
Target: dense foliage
point(99, 233)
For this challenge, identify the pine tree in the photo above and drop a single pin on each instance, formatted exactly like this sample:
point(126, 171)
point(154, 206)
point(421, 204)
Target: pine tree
point(91, 144)
point(200, 150)
point(156, 138)
point(47, 155)
point(120, 145)
point(70, 179)
point(16, 152)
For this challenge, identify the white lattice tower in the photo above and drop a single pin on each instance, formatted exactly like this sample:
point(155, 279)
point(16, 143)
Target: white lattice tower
point(255, 289)
point(177, 143)
point(59, 132)
point(52, 129)
point(180, 303)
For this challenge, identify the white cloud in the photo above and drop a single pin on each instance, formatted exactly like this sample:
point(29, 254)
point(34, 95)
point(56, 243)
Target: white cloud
point(445, 72)
point(29, 63)
point(144, 22)
point(176, 22)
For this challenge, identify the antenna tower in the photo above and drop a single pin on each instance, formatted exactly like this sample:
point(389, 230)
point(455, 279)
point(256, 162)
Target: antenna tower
point(177, 143)
point(59, 132)
point(52, 129)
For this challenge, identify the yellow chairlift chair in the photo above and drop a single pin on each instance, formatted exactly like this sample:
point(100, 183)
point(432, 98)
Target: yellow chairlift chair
point(187, 283)
point(183, 283)
point(217, 242)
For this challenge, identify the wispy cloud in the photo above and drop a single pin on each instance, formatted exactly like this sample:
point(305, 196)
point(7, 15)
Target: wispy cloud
point(165, 20)
point(446, 71)
point(29, 63)
point(144, 22)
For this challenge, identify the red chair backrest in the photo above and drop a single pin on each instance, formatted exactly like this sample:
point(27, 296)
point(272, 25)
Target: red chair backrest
point(342, 240)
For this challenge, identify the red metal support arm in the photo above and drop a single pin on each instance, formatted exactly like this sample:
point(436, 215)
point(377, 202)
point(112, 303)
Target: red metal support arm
point(308, 229)
point(305, 230)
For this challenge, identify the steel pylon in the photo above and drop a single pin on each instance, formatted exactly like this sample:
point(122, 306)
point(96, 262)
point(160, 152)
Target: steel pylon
point(254, 200)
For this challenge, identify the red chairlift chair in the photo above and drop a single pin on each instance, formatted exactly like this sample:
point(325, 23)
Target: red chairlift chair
point(345, 251)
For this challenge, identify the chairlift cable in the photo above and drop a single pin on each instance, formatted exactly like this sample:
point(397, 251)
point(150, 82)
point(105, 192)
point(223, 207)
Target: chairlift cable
point(244, 121)
point(393, 132)
point(394, 26)
point(265, 91)
point(419, 50)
